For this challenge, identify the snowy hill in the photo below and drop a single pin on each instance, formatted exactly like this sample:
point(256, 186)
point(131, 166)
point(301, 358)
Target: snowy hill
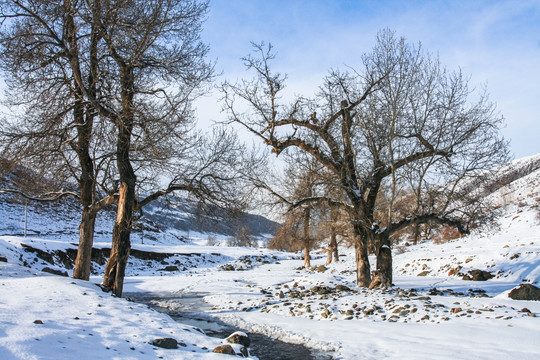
point(169, 219)
point(432, 312)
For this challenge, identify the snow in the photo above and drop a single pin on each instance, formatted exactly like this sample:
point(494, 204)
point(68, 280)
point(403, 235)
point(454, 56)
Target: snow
point(79, 319)
point(430, 313)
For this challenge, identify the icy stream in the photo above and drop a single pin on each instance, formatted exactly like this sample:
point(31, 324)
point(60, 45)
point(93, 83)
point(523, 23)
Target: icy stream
point(190, 309)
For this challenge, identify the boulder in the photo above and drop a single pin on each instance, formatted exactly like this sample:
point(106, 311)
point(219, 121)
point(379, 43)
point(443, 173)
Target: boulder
point(224, 349)
point(166, 343)
point(321, 268)
point(239, 337)
point(525, 292)
point(478, 275)
point(3, 259)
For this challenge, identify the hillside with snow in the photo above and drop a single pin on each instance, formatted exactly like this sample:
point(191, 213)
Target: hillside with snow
point(434, 311)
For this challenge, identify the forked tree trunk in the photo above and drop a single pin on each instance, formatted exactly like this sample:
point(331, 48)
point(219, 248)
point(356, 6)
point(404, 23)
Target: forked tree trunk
point(116, 266)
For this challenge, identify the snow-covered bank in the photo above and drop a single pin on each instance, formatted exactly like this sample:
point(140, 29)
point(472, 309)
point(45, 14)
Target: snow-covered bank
point(44, 316)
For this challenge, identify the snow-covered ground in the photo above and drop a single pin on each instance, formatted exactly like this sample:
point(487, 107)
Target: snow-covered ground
point(430, 313)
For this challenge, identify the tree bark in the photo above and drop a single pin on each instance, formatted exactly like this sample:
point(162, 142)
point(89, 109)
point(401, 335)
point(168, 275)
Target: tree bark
point(363, 271)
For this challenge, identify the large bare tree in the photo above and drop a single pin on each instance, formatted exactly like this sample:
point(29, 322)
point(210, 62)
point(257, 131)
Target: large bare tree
point(159, 61)
point(135, 66)
point(399, 111)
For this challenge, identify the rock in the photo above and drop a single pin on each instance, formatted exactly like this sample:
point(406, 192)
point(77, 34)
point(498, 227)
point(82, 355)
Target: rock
point(166, 343)
point(170, 268)
point(525, 292)
point(224, 349)
point(454, 271)
point(435, 292)
point(55, 272)
point(227, 267)
point(343, 288)
point(321, 290)
point(3, 259)
point(321, 268)
point(456, 310)
point(424, 273)
point(239, 337)
point(478, 275)
point(326, 314)
point(39, 322)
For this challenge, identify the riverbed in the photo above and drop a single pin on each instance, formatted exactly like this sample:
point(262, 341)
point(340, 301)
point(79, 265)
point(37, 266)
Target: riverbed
point(190, 309)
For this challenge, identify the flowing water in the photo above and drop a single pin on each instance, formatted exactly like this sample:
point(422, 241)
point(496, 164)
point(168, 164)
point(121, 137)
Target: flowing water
point(190, 309)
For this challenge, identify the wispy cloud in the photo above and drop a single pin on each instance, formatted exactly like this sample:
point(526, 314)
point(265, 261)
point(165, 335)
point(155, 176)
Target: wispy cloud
point(495, 41)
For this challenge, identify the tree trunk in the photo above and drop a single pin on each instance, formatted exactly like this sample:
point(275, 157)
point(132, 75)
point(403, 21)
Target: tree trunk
point(384, 262)
point(332, 247)
point(307, 245)
point(86, 241)
point(416, 233)
point(363, 271)
point(307, 257)
point(84, 117)
point(86, 189)
point(116, 266)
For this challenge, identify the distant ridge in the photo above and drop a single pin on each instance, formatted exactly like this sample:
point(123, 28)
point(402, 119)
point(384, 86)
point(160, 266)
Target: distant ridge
point(173, 214)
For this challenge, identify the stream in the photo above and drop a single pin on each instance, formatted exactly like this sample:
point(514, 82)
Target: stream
point(190, 309)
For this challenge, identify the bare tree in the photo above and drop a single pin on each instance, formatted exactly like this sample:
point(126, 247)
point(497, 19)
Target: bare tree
point(367, 126)
point(135, 66)
point(50, 63)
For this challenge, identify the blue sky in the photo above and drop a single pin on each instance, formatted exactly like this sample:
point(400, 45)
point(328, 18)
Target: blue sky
point(497, 43)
